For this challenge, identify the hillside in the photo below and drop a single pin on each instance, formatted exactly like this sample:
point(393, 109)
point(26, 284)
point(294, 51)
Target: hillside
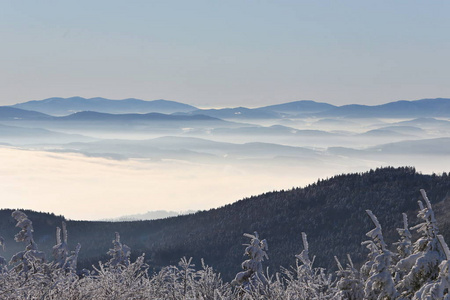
point(331, 212)
point(12, 113)
point(20, 135)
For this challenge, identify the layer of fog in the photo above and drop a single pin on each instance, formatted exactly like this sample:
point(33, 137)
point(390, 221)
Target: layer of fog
point(81, 187)
point(86, 171)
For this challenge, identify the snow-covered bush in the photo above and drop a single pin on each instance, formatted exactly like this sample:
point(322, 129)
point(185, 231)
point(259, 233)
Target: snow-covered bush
point(128, 282)
point(209, 284)
point(252, 276)
point(183, 282)
point(306, 282)
point(31, 257)
point(349, 285)
point(120, 254)
point(439, 288)
point(422, 266)
point(61, 249)
point(379, 284)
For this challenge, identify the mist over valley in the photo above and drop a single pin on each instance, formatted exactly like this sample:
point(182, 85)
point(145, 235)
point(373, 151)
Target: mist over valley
point(167, 155)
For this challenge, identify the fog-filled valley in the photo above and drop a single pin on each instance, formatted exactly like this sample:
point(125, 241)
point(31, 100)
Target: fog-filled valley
point(167, 155)
point(181, 186)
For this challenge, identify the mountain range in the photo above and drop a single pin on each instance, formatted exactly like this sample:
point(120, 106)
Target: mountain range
point(438, 107)
point(64, 106)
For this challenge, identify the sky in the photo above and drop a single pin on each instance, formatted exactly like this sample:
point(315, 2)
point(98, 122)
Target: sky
point(225, 53)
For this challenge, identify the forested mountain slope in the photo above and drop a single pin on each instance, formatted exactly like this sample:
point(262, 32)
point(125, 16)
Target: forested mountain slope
point(331, 212)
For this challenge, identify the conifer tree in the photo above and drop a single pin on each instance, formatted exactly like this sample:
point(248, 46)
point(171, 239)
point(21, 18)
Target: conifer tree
point(120, 254)
point(3, 262)
point(70, 263)
point(26, 259)
point(308, 282)
point(379, 284)
point(438, 289)
point(349, 284)
point(61, 249)
point(252, 276)
point(422, 266)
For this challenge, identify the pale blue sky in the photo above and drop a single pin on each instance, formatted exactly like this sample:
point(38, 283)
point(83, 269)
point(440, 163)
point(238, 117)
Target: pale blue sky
point(225, 53)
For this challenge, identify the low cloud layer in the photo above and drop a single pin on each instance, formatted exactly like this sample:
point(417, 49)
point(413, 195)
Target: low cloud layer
point(81, 187)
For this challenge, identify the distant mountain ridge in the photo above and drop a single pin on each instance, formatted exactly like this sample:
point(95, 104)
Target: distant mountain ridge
point(66, 106)
point(99, 116)
point(22, 135)
point(237, 113)
point(12, 113)
point(150, 215)
point(302, 106)
point(438, 107)
point(290, 109)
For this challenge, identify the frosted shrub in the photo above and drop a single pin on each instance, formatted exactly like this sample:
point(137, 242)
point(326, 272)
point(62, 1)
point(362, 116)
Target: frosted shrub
point(31, 257)
point(209, 285)
point(306, 282)
point(126, 282)
point(61, 249)
point(118, 278)
point(379, 284)
point(70, 264)
point(349, 283)
point(183, 282)
point(253, 275)
point(438, 289)
point(422, 266)
point(120, 253)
